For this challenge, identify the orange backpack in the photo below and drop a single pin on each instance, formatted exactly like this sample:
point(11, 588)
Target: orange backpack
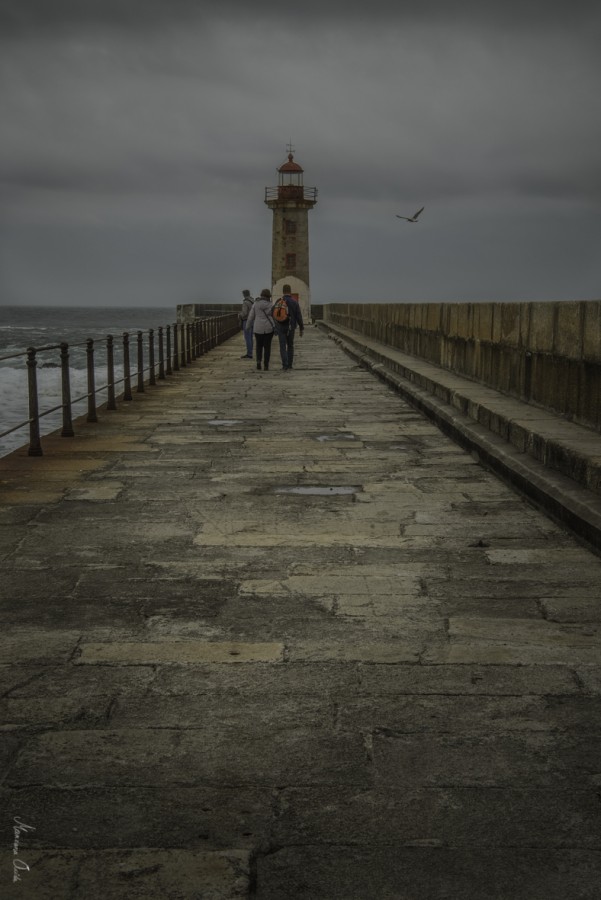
point(280, 311)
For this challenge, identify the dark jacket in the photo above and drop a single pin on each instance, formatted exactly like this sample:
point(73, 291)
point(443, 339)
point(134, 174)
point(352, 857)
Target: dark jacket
point(295, 316)
point(247, 304)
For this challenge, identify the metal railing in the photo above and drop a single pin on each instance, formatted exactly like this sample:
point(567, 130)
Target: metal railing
point(178, 345)
point(291, 192)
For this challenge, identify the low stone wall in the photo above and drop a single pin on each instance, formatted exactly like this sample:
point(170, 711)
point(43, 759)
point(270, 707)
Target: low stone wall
point(187, 312)
point(548, 354)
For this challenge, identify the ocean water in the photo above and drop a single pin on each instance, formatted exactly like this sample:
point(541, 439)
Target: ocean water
point(38, 326)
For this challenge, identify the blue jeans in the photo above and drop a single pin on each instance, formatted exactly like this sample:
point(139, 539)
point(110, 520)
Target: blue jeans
point(286, 338)
point(248, 337)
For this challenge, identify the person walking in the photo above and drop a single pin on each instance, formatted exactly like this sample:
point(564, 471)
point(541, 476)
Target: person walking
point(287, 316)
point(247, 304)
point(259, 319)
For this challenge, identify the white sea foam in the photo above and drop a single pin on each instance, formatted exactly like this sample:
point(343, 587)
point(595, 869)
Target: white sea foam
point(41, 326)
point(15, 400)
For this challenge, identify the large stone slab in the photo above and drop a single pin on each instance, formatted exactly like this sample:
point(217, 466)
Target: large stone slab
point(75, 682)
point(520, 641)
point(172, 816)
point(32, 646)
point(529, 760)
point(135, 874)
point(245, 712)
point(355, 582)
point(572, 609)
point(357, 873)
point(464, 715)
point(302, 679)
point(465, 817)
point(391, 651)
point(63, 712)
point(490, 680)
point(208, 756)
point(140, 653)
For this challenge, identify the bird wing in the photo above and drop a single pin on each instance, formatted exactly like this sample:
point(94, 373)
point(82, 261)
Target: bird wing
point(403, 217)
point(418, 212)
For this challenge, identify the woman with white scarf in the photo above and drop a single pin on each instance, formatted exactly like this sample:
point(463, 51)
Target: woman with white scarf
point(259, 319)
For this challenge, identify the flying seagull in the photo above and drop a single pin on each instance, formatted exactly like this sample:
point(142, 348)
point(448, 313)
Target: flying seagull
point(413, 218)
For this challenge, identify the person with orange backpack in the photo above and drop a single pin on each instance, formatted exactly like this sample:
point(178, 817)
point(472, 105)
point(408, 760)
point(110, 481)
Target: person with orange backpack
point(287, 315)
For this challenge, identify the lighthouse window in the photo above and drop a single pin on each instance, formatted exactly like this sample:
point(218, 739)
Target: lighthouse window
point(291, 260)
point(290, 226)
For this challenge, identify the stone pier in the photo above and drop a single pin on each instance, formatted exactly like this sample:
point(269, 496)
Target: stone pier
point(274, 635)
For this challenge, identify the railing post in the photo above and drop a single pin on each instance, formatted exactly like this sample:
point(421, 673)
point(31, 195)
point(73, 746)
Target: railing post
point(110, 372)
point(188, 345)
point(140, 388)
point(67, 430)
point(175, 349)
point(183, 347)
point(161, 354)
point(192, 340)
point(126, 368)
point(168, 366)
point(152, 379)
point(35, 446)
point(200, 349)
point(92, 417)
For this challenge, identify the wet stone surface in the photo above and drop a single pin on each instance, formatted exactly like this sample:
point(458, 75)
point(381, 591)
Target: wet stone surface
point(317, 490)
point(274, 635)
point(340, 436)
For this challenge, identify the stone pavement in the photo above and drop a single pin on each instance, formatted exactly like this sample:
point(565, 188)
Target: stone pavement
point(273, 635)
point(553, 461)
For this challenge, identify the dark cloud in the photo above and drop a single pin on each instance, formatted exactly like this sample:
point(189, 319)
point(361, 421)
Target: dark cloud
point(157, 125)
point(20, 16)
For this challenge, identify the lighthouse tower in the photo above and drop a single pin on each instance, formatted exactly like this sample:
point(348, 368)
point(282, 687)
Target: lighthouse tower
point(291, 202)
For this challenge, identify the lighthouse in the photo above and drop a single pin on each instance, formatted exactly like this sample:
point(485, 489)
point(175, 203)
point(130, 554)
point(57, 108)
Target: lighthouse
point(291, 202)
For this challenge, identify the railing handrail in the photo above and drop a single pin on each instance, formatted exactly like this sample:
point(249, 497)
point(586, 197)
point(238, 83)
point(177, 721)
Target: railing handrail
point(196, 338)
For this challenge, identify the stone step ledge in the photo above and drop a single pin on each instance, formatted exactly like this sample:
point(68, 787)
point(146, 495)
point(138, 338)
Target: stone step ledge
point(555, 463)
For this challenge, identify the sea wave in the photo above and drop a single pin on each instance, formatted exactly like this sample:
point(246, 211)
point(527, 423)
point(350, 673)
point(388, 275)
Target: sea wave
point(15, 394)
point(23, 326)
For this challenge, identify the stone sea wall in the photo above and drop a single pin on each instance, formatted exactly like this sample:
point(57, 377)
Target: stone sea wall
point(188, 312)
point(545, 353)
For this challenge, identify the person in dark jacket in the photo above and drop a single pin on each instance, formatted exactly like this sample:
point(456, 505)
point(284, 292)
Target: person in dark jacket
point(285, 330)
point(259, 319)
point(247, 304)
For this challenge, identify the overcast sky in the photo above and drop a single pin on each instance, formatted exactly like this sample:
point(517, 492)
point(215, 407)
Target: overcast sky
point(139, 136)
